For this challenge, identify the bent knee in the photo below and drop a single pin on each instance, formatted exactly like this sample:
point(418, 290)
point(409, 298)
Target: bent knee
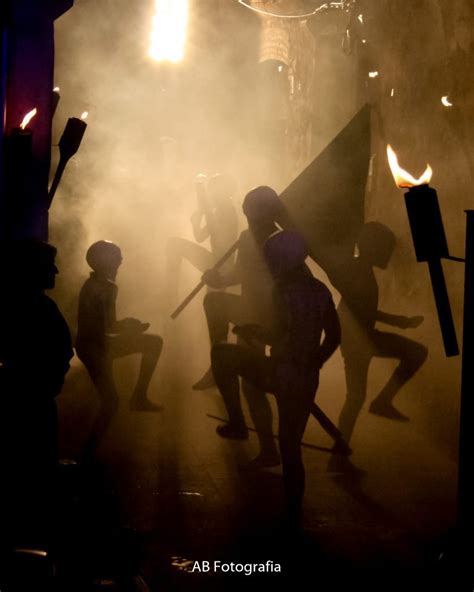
point(154, 342)
point(417, 356)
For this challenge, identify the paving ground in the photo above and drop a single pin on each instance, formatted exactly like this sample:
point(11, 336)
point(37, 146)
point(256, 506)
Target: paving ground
point(167, 492)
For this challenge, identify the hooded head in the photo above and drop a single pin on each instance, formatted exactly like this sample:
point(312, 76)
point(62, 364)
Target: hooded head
point(285, 251)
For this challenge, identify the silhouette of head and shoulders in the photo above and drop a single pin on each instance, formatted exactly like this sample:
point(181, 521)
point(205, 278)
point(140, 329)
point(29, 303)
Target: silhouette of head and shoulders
point(35, 342)
point(99, 292)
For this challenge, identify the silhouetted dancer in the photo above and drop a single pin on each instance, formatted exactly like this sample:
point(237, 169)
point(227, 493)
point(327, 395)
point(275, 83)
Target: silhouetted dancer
point(101, 338)
point(35, 351)
point(361, 342)
point(261, 207)
point(303, 309)
point(216, 220)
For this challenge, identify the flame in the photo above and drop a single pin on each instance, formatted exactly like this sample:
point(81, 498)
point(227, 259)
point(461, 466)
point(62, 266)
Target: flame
point(84, 115)
point(168, 34)
point(28, 117)
point(446, 102)
point(402, 177)
point(56, 89)
point(373, 74)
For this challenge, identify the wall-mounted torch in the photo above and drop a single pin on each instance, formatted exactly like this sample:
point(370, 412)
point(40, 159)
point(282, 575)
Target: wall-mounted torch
point(429, 240)
point(19, 160)
point(21, 138)
point(68, 146)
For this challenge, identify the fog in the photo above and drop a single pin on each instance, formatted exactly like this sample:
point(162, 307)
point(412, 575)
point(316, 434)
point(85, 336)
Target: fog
point(225, 112)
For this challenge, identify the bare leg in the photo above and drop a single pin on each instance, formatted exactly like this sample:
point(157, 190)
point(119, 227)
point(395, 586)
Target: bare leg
point(221, 309)
point(356, 370)
point(230, 361)
point(150, 347)
point(412, 356)
point(151, 351)
point(104, 383)
point(179, 249)
point(293, 411)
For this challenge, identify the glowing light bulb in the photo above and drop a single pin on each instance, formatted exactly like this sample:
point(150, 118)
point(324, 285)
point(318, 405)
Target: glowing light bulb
point(168, 35)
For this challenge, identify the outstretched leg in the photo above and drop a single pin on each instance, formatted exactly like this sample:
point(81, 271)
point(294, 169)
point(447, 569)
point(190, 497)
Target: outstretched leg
point(178, 249)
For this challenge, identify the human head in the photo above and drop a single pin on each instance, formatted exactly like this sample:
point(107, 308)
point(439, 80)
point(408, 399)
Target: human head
point(284, 252)
point(31, 264)
point(376, 243)
point(104, 257)
point(262, 203)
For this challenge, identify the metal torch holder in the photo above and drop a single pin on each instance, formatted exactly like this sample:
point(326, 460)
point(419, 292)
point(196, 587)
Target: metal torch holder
point(429, 240)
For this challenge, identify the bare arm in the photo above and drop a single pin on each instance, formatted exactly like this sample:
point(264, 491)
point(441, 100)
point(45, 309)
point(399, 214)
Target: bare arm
point(213, 278)
point(332, 334)
point(200, 232)
point(112, 324)
point(399, 320)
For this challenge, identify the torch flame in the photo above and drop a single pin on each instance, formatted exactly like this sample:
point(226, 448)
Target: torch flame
point(402, 177)
point(84, 115)
point(28, 117)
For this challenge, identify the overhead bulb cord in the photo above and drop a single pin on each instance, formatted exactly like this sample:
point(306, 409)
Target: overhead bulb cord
point(326, 5)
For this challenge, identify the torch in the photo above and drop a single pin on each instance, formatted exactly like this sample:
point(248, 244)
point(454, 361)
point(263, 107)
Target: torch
point(429, 240)
point(68, 146)
point(19, 159)
point(20, 141)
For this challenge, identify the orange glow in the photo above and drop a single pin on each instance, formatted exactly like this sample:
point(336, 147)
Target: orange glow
point(402, 177)
point(28, 117)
